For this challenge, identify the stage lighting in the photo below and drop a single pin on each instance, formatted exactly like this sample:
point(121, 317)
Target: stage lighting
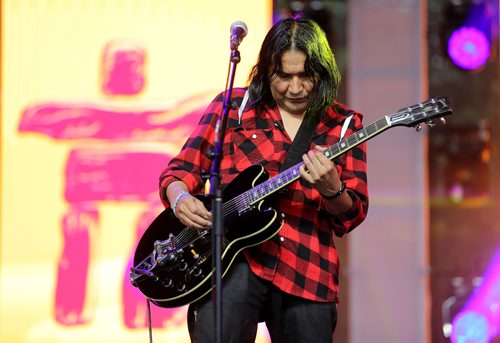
point(469, 48)
point(479, 319)
point(470, 32)
point(462, 290)
point(470, 327)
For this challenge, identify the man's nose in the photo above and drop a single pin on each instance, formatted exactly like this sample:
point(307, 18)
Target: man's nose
point(295, 86)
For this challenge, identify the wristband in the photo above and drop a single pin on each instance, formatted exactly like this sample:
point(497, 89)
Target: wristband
point(336, 194)
point(176, 201)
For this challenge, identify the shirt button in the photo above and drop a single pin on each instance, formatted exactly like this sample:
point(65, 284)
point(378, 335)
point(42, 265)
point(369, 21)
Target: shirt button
point(282, 239)
point(254, 136)
point(282, 215)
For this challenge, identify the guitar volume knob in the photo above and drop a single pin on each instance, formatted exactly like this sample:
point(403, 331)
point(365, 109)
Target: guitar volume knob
point(167, 283)
point(196, 271)
point(183, 266)
point(181, 287)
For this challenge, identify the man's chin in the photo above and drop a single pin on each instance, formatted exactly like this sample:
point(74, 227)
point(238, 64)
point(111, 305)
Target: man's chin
point(297, 112)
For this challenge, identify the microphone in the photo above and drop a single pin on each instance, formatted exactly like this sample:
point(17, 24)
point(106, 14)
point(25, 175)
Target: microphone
point(238, 31)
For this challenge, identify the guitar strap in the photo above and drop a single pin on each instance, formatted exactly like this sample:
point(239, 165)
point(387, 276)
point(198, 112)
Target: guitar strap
point(302, 140)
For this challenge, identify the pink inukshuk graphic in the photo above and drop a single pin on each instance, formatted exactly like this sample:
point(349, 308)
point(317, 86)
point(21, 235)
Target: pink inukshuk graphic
point(111, 163)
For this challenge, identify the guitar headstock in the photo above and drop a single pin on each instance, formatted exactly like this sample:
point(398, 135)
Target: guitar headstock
point(424, 112)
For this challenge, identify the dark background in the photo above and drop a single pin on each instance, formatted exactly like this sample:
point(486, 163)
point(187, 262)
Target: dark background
point(463, 164)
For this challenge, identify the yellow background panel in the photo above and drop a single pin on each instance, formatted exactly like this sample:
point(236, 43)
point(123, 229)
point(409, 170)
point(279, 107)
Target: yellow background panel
point(52, 53)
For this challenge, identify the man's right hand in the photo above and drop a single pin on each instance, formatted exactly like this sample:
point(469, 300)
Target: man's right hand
point(188, 209)
point(192, 212)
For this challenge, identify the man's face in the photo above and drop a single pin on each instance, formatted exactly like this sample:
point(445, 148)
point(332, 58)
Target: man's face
point(291, 86)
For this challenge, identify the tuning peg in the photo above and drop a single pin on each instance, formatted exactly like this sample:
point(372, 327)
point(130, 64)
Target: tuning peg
point(443, 121)
point(418, 128)
point(431, 123)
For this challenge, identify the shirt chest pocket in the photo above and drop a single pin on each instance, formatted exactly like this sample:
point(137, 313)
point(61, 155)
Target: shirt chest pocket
point(253, 147)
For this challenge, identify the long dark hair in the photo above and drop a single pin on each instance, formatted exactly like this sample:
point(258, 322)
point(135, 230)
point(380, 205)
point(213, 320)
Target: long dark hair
point(303, 34)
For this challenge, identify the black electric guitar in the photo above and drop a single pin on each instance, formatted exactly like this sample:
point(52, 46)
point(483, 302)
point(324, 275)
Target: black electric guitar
point(173, 263)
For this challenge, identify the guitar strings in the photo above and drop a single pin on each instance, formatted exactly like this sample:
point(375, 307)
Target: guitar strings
point(241, 202)
point(188, 234)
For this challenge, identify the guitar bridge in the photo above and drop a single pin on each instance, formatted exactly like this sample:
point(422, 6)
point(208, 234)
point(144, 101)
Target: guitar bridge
point(165, 251)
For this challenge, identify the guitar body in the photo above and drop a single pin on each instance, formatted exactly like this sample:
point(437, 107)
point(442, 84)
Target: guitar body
point(172, 275)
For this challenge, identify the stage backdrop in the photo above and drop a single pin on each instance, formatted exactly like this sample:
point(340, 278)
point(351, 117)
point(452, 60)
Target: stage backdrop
point(96, 97)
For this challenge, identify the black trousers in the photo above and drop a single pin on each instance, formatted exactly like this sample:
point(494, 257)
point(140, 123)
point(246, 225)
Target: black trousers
point(248, 300)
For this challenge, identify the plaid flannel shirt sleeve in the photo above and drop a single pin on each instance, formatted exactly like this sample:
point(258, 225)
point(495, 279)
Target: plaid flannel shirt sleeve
point(195, 158)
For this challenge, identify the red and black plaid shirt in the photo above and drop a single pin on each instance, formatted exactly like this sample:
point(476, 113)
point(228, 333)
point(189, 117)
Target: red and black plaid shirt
point(303, 260)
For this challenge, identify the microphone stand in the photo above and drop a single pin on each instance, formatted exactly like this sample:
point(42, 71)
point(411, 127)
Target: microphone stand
point(216, 194)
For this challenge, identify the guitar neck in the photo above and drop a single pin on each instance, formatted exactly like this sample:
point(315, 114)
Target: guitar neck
point(283, 179)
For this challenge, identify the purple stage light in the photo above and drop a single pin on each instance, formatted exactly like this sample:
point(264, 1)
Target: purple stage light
point(468, 48)
point(470, 327)
point(479, 320)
